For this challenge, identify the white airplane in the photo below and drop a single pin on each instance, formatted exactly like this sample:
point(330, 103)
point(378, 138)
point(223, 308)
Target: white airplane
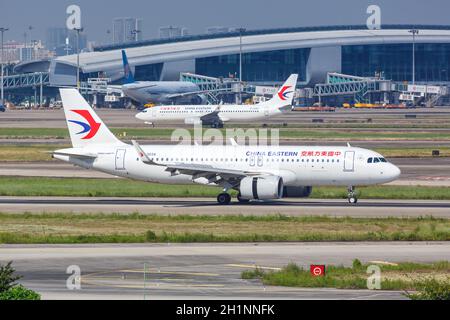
point(216, 115)
point(145, 92)
point(256, 172)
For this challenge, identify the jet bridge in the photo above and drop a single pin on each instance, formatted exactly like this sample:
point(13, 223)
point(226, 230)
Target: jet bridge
point(26, 80)
point(214, 87)
point(341, 84)
point(338, 84)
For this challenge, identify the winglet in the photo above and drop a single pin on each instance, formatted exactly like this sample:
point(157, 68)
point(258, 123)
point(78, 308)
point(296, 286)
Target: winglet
point(142, 155)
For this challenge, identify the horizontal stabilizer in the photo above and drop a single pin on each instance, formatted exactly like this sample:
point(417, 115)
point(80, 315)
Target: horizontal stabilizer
point(73, 154)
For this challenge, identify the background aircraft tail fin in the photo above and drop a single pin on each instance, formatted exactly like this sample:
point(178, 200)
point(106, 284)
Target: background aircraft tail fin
point(85, 127)
point(285, 95)
point(128, 74)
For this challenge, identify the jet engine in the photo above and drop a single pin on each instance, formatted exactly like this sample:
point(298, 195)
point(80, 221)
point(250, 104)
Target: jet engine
point(195, 121)
point(297, 192)
point(261, 188)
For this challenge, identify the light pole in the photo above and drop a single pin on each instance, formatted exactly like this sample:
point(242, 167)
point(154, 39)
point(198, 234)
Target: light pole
point(414, 32)
point(78, 30)
point(2, 101)
point(241, 31)
point(135, 34)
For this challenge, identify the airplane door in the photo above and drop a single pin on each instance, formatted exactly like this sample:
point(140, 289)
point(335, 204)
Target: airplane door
point(349, 161)
point(266, 111)
point(153, 113)
point(120, 159)
point(252, 161)
point(260, 161)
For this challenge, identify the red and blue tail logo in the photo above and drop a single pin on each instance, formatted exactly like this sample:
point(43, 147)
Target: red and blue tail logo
point(282, 94)
point(91, 128)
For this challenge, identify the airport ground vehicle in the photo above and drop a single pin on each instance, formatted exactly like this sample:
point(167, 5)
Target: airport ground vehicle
point(256, 172)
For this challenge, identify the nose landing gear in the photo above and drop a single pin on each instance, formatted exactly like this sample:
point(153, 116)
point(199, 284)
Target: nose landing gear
point(351, 196)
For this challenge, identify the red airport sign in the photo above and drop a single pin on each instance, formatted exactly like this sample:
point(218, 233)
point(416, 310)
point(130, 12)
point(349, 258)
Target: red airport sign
point(317, 270)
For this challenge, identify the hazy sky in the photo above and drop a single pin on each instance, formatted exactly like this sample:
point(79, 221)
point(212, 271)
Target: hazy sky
point(196, 15)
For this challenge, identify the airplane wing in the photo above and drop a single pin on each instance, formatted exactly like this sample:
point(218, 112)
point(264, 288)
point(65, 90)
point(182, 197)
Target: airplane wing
point(213, 174)
point(179, 95)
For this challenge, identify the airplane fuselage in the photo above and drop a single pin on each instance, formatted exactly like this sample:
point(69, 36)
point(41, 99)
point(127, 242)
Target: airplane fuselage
point(158, 91)
point(184, 113)
point(297, 165)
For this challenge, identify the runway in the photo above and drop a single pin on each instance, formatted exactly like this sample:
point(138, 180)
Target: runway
point(121, 118)
point(199, 271)
point(209, 206)
point(415, 171)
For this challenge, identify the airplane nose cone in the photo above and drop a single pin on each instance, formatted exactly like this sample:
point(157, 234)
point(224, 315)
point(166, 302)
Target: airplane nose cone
point(394, 172)
point(140, 116)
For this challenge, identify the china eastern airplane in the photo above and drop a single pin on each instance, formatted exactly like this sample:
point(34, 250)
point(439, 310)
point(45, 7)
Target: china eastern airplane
point(216, 115)
point(145, 92)
point(256, 172)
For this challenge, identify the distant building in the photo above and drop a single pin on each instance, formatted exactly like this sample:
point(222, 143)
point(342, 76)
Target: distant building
point(15, 52)
point(26, 54)
point(57, 41)
point(217, 29)
point(169, 32)
point(271, 55)
point(56, 37)
point(127, 30)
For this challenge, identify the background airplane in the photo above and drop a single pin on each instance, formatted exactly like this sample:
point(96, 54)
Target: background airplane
point(256, 172)
point(216, 115)
point(157, 92)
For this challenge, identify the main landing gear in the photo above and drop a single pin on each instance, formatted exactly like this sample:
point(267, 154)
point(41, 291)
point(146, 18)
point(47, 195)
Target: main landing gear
point(217, 124)
point(224, 199)
point(352, 198)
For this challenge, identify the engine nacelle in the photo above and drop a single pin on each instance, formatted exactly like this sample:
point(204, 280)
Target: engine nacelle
point(297, 192)
point(195, 121)
point(261, 188)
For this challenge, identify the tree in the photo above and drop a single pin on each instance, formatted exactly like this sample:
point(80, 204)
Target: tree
point(7, 277)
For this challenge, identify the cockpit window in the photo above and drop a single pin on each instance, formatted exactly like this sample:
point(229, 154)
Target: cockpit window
point(376, 160)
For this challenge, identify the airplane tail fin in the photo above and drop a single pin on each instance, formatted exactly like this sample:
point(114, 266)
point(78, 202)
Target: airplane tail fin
point(286, 93)
point(128, 75)
point(85, 127)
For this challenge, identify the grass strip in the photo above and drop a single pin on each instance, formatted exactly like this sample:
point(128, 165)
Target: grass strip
point(60, 228)
point(401, 276)
point(304, 134)
point(85, 187)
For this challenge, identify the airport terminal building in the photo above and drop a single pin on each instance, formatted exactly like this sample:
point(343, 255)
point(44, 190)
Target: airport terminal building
point(269, 56)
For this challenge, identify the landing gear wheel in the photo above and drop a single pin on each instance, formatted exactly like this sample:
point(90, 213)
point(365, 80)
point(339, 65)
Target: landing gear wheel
point(352, 199)
point(224, 199)
point(242, 200)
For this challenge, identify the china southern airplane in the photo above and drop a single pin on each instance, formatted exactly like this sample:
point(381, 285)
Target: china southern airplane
point(216, 115)
point(145, 92)
point(256, 172)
